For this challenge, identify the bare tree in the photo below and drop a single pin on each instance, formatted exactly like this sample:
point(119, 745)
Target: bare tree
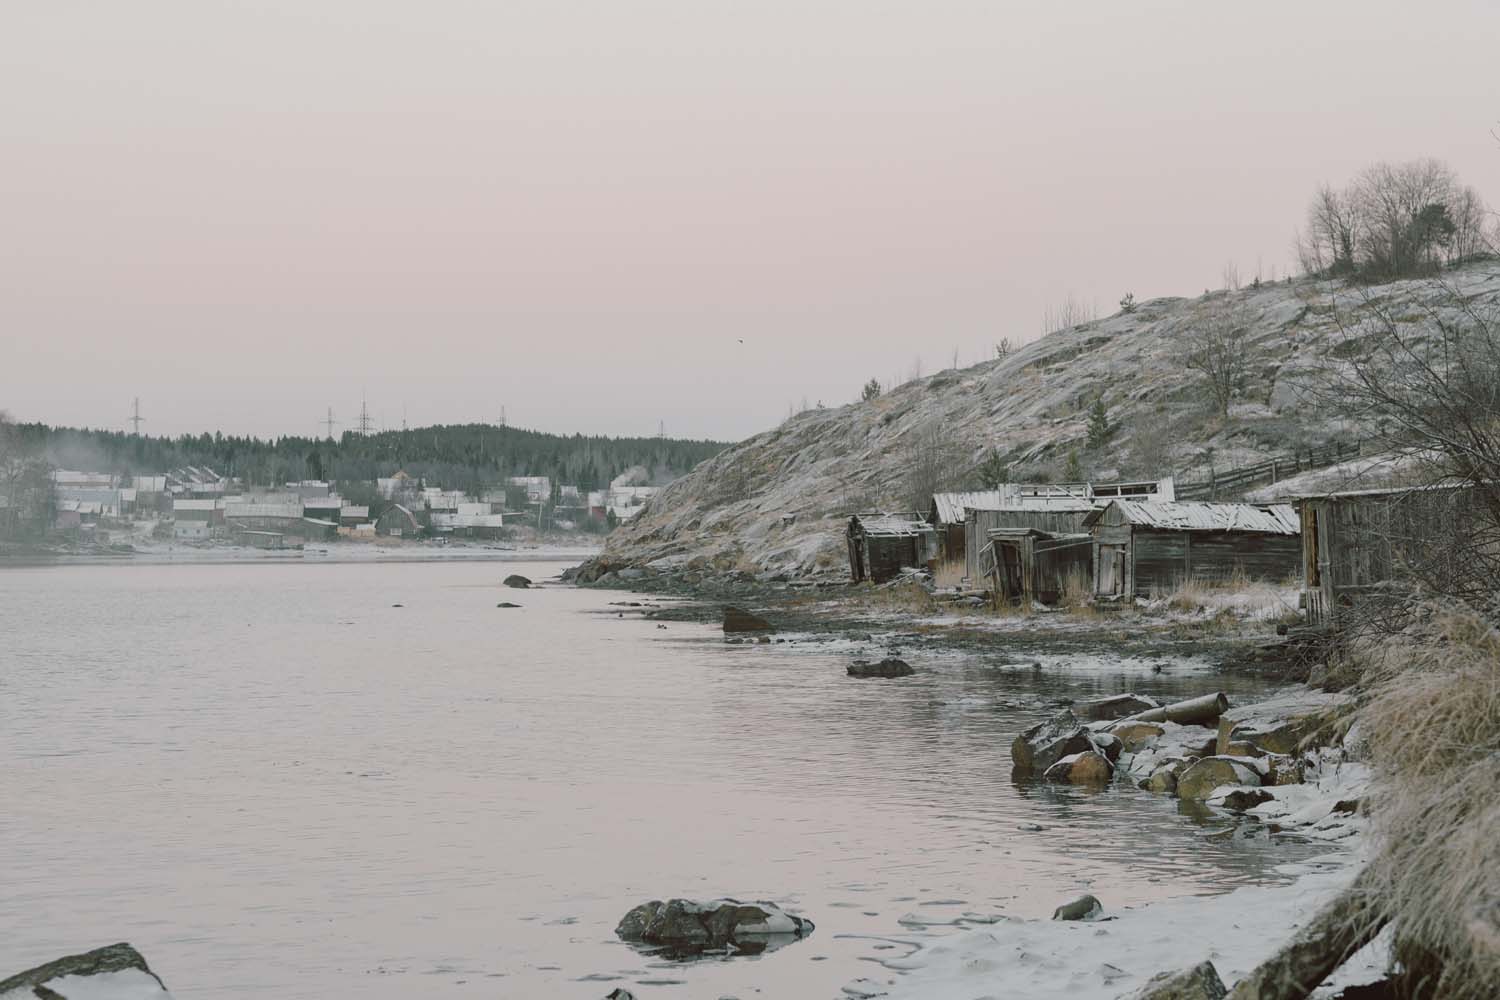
point(1071, 311)
point(935, 462)
point(1216, 345)
point(1333, 230)
point(1231, 276)
point(1433, 381)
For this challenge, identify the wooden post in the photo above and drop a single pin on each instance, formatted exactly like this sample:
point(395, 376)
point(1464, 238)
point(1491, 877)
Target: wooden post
point(1274, 480)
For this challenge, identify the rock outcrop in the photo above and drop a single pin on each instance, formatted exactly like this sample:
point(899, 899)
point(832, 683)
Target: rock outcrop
point(114, 972)
point(685, 926)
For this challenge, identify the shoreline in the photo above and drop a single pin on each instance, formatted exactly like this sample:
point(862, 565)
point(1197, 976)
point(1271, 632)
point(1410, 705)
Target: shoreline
point(1117, 954)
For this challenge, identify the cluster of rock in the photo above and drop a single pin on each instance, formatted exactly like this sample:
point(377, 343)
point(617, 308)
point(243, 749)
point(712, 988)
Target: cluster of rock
point(114, 972)
point(1199, 749)
point(684, 926)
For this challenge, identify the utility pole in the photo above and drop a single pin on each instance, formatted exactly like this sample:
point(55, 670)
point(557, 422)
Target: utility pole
point(328, 422)
point(137, 418)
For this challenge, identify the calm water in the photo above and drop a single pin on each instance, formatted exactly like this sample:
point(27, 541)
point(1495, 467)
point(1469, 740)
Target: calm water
point(276, 784)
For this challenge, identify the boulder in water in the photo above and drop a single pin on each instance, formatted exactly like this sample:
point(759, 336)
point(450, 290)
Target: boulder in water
point(114, 972)
point(1199, 780)
point(1087, 768)
point(888, 667)
point(1046, 743)
point(687, 927)
point(517, 581)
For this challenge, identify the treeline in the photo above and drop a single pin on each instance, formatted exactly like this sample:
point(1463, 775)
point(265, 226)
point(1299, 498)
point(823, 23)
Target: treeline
point(459, 456)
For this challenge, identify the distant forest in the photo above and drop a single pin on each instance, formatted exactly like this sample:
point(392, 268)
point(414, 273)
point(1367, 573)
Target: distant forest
point(460, 456)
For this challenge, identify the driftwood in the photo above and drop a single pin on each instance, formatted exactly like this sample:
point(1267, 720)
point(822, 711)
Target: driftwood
point(1337, 932)
point(1203, 711)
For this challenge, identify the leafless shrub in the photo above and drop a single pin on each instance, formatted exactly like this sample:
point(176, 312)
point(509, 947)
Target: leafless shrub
point(935, 462)
point(1433, 381)
point(1071, 311)
point(1216, 345)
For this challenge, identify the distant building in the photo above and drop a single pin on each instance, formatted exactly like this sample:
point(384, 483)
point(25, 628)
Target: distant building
point(326, 508)
point(398, 522)
point(353, 514)
point(538, 488)
point(395, 486)
point(284, 516)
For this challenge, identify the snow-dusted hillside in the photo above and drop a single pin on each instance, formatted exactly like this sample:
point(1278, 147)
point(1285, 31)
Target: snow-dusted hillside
point(775, 502)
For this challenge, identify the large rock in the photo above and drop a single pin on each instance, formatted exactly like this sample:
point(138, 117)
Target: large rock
point(738, 620)
point(1082, 908)
point(1087, 768)
point(1277, 725)
point(1136, 736)
point(888, 667)
point(1114, 707)
point(1201, 982)
point(115, 972)
point(1163, 778)
point(517, 581)
point(1046, 743)
point(686, 926)
point(1200, 779)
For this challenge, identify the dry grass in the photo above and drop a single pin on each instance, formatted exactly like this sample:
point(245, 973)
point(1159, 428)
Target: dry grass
point(1236, 594)
point(1077, 595)
point(948, 575)
point(1433, 725)
point(910, 597)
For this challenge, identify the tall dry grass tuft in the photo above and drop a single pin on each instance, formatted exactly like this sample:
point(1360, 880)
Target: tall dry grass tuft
point(948, 575)
point(1077, 595)
point(1433, 726)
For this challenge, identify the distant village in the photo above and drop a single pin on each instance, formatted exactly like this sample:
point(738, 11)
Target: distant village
point(196, 505)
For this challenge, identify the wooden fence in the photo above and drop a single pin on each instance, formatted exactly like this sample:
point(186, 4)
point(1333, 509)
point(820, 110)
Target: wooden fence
point(1236, 481)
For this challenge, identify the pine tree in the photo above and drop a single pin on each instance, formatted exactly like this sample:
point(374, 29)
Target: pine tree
point(1100, 429)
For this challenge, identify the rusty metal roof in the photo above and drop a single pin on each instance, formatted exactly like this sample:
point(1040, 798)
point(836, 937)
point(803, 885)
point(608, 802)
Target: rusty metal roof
point(1271, 519)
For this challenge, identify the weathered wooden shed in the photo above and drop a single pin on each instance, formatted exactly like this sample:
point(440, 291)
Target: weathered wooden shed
point(1361, 543)
point(1145, 546)
point(881, 545)
point(1057, 508)
point(1023, 565)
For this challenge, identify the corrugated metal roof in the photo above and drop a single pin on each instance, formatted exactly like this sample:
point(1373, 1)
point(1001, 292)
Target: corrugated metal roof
point(892, 524)
point(1273, 519)
point(194, 504)
point(950, 506)
point(355, 510)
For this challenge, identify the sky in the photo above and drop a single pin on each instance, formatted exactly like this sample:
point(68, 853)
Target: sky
point(615, 218)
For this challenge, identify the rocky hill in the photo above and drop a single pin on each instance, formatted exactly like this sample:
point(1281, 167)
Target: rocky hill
point(777, 502)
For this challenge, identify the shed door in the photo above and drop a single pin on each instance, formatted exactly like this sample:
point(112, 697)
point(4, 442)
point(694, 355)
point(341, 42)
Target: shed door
point(1111, 570)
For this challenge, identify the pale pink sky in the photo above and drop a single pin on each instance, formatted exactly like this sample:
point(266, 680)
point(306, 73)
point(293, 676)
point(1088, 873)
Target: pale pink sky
point(244, 213)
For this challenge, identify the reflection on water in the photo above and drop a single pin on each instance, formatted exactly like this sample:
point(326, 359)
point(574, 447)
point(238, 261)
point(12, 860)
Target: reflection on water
point(275, 783)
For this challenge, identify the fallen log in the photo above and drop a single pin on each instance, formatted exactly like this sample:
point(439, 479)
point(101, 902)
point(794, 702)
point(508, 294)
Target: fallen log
point(1339, 930)
point(1202, 711)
